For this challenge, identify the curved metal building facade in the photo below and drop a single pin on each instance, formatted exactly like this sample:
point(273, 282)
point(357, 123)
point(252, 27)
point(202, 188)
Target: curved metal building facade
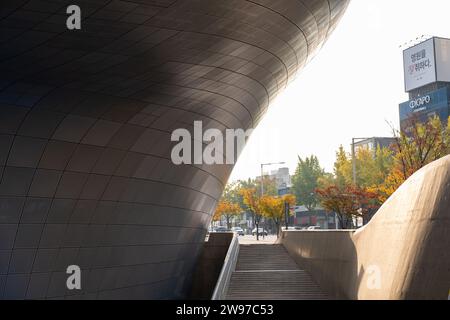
point(86, 116)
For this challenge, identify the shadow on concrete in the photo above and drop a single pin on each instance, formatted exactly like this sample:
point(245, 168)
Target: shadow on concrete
point(209, 266)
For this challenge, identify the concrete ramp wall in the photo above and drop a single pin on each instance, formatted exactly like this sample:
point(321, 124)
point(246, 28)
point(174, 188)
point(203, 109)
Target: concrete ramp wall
point(403, 253)
point(209, 266)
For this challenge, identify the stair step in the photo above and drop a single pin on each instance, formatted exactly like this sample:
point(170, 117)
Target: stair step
point(267, 272)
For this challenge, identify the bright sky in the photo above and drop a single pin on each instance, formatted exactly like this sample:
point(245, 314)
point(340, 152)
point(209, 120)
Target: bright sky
point(352, 88)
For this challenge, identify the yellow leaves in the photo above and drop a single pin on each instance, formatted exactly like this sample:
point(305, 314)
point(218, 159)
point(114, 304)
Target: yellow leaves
point(423, 144)
point(343, 167)
point(273, 207)
point(250, 199)
point(289, 198)
point(217, 215)
point(392, 182)
point(226, 208)
point(267, 206)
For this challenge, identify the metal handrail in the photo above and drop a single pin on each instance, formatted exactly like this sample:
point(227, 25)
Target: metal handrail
point(228, 268)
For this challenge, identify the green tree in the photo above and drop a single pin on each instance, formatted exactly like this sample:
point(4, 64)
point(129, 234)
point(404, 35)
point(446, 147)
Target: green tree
point(231, 193)
point(326, 180)
point(270, 185)
point(306, 180)
point(384, 160)
point(343, 168)
point(373, 166)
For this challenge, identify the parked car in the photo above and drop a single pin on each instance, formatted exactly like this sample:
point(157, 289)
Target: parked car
point(238, 230)
point(312, 228)
point(291, 228)
point(221, 229)
point(261, 232)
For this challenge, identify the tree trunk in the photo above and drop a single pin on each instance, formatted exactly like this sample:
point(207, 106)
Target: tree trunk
point(348, 222)
point(342, 221)
point(257, 231)
point(277, 226)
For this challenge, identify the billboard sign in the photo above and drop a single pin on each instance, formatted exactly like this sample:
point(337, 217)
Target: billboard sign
point(419, 65)
point(426, 63)
point(442, 48)
point(435, 103)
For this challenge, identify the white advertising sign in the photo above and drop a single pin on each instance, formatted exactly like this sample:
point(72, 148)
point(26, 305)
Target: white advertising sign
point(419, 65)
point(443, 59)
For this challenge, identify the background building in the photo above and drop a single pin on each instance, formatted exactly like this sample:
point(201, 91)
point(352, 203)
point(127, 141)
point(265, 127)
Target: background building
point(375, 143)
point(427, 81)
point(282, 178)
point(319, 217)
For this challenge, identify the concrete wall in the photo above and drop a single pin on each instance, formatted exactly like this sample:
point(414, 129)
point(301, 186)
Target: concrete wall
point(209, 265)
point(405, 246)
point(329, 256)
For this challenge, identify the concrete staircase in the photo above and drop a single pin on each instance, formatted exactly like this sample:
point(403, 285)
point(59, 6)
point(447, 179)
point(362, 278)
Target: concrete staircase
point(267, 272)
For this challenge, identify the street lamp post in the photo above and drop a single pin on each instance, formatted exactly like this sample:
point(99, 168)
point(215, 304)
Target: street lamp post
point(262, 174)
point(354, 161)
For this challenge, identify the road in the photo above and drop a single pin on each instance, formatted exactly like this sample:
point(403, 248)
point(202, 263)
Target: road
point(262, 240)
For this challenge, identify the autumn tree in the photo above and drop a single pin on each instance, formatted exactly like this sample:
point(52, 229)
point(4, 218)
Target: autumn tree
point(217, 216)
point(251, 200)
point(290, 199)
point(274, 208)
point(228, 210)
point(306, 180)
point(372, 166)
point(232, 193)
point(343, 168)
point(420, 145)
point(347, 202)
